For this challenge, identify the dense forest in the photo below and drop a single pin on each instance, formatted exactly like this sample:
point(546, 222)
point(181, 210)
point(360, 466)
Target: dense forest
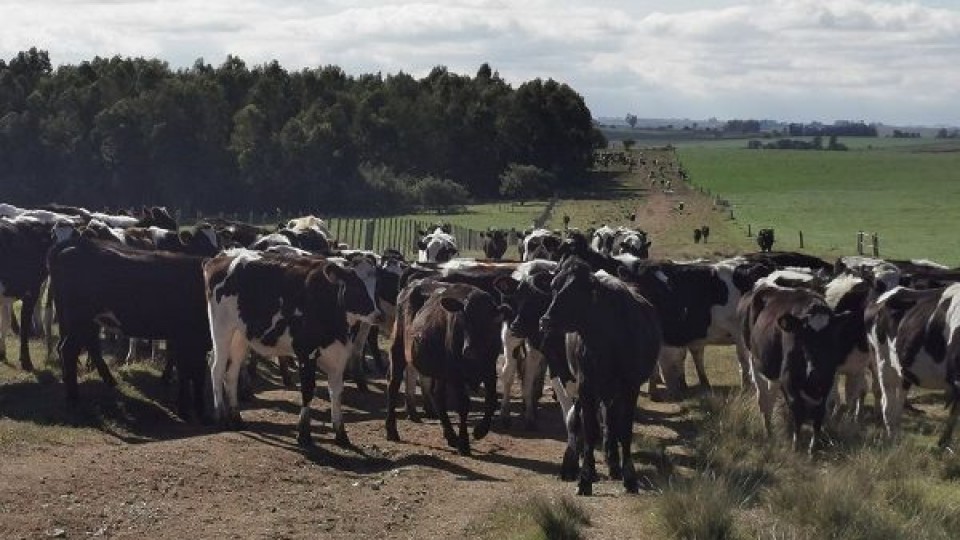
point(119, 132)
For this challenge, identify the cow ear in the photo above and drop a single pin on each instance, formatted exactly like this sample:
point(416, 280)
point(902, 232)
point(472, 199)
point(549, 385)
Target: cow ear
point(185, 237)
point(421, 244)
point(541, 282)
point(451, 304)
point(421, 232)
point(505, 285)
point(334, 273)
point(789, 323)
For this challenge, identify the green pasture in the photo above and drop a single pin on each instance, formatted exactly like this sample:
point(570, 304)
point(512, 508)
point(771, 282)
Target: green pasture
point(908, 193)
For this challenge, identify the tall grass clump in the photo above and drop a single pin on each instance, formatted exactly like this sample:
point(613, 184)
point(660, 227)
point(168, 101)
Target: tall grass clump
point(702, 507)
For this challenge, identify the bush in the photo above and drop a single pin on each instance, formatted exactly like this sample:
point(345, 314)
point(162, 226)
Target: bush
point(523, 182)
point(441, 194)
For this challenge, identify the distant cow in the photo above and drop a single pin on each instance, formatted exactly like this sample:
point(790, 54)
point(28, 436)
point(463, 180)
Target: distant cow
point(705, 233)
point(494, 243)
point(915, 338)
point(283, 306)
point(765, 239)
point(450, 333)
point(602, 239)
point(697, 235)
point(795, 344)
point(613, 342)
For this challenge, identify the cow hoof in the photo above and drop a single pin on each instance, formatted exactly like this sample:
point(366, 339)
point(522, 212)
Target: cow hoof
point(235, 423)
point(27, 365)
point(585, 488)
point(569, 473)
point(305, 440)
point(341, 437)
point(481, 430)
point(616, 473)
point(464, 450)
point(393, 435)
point(452, 440)
point(631, 485)
point(414, 416)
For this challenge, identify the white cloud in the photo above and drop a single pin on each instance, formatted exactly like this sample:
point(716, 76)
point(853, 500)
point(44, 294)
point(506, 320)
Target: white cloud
point(801, 59)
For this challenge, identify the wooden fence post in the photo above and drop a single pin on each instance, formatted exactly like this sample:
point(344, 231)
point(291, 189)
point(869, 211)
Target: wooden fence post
point(801, 239)
point(859, 242)
point(371, 230)
point(876, 245)
point(749, 232)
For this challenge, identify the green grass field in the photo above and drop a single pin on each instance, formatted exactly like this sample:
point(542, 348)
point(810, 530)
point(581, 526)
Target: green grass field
point(908, 193)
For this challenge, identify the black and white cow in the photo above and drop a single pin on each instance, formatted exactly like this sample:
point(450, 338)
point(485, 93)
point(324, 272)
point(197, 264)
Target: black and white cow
point(795, 343)
point(613, 342)
point(915, 338)
point(494, 243)
point(540, 244)
point(448, 332)
point(283, 306)
point(145, 294)
point(436, 246)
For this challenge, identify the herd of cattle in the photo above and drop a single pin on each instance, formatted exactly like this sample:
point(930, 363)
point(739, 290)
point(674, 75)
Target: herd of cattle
point(588, 308)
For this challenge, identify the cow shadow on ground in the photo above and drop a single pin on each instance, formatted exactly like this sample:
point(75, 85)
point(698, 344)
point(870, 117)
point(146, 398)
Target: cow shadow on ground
point(138, 410)
point(351, 458)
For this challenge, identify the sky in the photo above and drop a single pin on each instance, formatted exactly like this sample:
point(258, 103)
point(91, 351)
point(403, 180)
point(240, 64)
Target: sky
point(884, 61)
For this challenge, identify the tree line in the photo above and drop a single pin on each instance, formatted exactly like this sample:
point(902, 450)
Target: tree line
point(119, 132)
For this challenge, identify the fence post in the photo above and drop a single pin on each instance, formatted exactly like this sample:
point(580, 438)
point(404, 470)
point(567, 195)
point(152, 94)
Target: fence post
point(859, 242)
point(876, 245)
point(749, 232)
point(371, 229)
point(801, 239)
point(731, 213)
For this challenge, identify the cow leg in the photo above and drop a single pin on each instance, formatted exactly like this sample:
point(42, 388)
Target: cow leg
point(591, 436)
point(285, 364)
point(893, 398)
point(611, 442)
point(670, 363)
point(512, 347)
point(238, 352)
point(534, 370)
point(355, 360)
point(131, 350)
point(335, 387)
point(463, 407)
point(394, 378)
point(308, 385)
point(766, 398)
point(48, 326)
point(373, 345)
point(489, 405)
point(95, 354)
point(951, 420)
point(27, 306)
point(438, 395)
point(697, 354)
point(410, 377)
point(69, 349)
point(855, 392)
point(168, 369)
point(625, 436)
point(6, 319)
point(570, 466)
point(564, 394)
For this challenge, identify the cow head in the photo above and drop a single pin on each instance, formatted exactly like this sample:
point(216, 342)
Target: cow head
point(542, 244)
point(201, 241)
point(529, 299)
point(494, 243)
point(352, 293)
point(573, 289)
point(482, 318)
point(815, 336)
point(438, 246)
point(634, 243)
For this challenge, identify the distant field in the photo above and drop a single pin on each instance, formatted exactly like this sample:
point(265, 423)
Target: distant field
point(907, 190)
